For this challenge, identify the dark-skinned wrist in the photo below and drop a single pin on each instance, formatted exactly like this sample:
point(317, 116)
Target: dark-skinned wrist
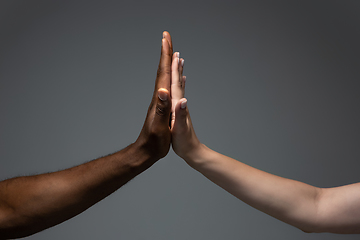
point(146, 155)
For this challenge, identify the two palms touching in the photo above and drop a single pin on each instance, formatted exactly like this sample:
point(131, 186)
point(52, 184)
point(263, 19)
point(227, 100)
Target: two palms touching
point(157, 135)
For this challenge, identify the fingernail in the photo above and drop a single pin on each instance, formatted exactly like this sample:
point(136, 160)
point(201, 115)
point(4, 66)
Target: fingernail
point(163, 35)
point(178, 61)
point(183, 104)
point(178, 54)
point(162, 95)
point(182, 62)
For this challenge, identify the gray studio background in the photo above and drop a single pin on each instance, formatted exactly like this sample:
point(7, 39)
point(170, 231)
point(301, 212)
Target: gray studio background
point(271, 83)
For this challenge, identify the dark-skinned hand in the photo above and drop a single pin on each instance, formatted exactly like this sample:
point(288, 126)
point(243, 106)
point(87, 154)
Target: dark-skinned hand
point(155, 136)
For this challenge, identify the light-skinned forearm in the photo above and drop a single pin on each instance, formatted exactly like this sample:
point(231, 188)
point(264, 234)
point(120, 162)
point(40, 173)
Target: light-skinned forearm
point(31, 204)
point(291, 201)
point(306, 207)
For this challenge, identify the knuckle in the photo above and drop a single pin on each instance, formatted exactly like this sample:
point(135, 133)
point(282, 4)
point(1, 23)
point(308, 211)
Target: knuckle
point(161, 111)
point(162, 108)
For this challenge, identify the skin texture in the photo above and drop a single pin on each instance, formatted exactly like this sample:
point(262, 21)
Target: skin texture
point(311, 209)
point(34, 203)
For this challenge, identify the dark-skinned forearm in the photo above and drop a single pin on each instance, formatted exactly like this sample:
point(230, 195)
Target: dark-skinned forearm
point(31, 204)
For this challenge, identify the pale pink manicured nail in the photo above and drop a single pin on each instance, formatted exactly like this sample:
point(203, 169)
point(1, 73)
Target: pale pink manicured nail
point(182, 62)
point(178, 54)
point(183, 104)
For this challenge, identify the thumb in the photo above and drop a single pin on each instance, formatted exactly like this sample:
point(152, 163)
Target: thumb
point(181, 113)
point(163, 107)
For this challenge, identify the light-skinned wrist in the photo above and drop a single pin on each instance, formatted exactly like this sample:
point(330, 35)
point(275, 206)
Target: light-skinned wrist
point(197, 157)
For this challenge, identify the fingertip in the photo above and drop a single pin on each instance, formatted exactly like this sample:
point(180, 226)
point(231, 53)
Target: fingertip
point(181, 112)
point(162, 107)
point(174, 55)
point(181, 65)
point(167, 36)
point(163, 90)
point(183, 82)
point(183, 103)
point(163, 94)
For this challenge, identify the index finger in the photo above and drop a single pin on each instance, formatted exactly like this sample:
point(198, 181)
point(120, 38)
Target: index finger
point(167, 35)
point(164, 69)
